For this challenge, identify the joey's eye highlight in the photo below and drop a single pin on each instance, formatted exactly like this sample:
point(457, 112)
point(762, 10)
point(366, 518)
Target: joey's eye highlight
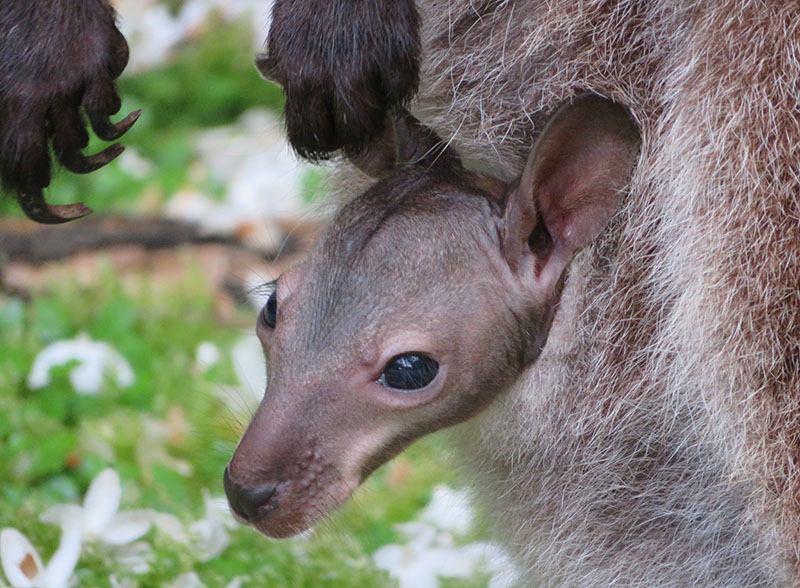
point(410, 371)
point(271, 310)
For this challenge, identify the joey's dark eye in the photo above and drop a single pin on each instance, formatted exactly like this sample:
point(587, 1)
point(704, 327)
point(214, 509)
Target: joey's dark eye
point(271, 310)
point(410, 371)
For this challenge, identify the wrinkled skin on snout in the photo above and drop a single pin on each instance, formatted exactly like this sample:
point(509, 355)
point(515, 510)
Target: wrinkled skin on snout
point(437, 272)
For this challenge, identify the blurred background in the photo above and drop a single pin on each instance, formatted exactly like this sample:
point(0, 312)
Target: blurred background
point(128, 363)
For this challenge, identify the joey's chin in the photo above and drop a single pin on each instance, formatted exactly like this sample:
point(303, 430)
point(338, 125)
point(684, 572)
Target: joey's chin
point(283, 529)
point(297, 510)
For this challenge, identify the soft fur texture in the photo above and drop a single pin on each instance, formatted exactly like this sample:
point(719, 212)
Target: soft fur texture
point(656, 441)
point(58, 63)
point(342, 64)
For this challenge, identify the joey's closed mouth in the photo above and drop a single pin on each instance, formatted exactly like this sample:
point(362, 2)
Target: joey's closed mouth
point(299, 511)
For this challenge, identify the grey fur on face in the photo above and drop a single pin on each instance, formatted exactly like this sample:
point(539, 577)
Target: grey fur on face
point(426, 299)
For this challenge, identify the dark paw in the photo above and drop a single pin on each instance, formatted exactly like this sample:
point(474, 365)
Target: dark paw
point(342, 64)
point(58, 63)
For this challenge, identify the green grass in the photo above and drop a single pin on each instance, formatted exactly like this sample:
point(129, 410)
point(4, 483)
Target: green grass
point(49, 440)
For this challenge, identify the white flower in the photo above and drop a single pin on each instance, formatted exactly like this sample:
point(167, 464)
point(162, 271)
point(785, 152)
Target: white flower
point(95, 358)
point(98, 517)
point(134, 557)
point(210, 535)
point(449, 510)
point(430, 552)
point(153, 32)
point(420, 563)
point(136, 166)
point(206, 356)
point(171, 526)
point(263, 180)
point(23, 566)
point(249, 364)
point(497, 563)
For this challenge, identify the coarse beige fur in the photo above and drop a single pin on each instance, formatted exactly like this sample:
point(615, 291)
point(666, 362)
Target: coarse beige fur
point(656, 441)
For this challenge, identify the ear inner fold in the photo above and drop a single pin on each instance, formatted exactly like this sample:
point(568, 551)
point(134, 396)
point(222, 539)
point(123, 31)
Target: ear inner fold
point(573, 180)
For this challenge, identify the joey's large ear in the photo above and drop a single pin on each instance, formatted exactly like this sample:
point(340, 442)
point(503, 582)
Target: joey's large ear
point(571, 186)
point(405, 141)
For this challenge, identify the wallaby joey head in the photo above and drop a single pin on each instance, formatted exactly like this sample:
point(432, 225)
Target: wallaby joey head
point(425, 299)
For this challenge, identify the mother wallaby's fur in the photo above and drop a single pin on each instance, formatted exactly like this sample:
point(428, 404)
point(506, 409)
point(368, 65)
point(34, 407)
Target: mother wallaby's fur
point(656, 441)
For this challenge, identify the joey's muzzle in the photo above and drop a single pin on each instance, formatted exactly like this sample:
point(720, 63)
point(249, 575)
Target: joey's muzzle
point(286, 473)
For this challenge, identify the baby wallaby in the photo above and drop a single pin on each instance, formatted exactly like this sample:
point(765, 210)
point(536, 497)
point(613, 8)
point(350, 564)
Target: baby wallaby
point(427, 297)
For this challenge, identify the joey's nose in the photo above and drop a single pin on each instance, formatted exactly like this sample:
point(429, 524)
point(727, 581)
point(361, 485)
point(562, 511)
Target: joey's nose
point(248, 503)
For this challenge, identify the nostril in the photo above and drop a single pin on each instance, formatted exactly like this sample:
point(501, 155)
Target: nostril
point(251, 500)
point(246, 502)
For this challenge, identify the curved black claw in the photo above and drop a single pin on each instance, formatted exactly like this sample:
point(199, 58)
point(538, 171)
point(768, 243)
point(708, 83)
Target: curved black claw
point(109, 131)
point(83, 164)
point(36, 209)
